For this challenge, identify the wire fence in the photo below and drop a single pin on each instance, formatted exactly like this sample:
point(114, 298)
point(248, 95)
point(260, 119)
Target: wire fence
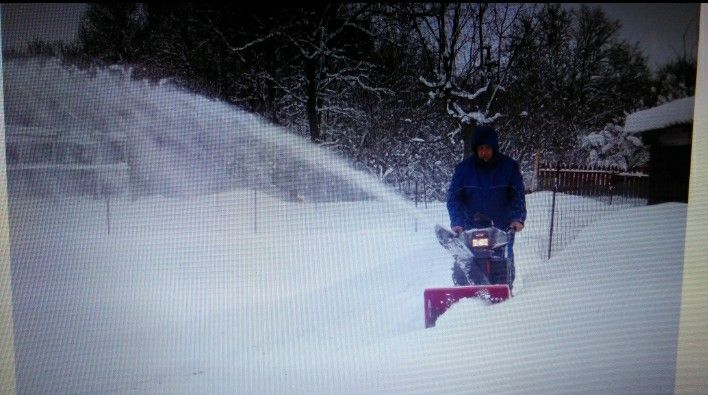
point(567, 199)
point(579, 195)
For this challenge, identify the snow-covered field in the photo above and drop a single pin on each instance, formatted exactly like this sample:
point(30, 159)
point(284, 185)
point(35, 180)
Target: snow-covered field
point(183, 297)
point(279, 286)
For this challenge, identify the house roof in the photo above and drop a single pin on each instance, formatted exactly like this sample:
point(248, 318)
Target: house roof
point(675, 112)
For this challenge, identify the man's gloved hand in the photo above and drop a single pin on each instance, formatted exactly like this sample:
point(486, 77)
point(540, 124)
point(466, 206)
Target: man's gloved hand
point(458, 229)
point(517, 226)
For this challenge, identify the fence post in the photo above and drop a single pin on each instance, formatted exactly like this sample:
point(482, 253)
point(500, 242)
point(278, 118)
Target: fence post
point(416, 193)
point(553, 209)
point(255, 211)
point(536, 169)
point(108, 212)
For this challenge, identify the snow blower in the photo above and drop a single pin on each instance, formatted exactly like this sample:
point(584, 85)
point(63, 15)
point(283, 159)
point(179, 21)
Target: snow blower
point(481, 269)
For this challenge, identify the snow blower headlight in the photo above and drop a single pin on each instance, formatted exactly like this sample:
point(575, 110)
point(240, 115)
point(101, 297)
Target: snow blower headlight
point(480, 240)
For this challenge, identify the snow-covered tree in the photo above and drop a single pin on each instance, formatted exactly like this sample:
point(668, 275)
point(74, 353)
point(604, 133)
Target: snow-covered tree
point(573, 75)
point(614, 147)
point(468, 56)
point(114, 32)
point(392, 86)
point(325, 65)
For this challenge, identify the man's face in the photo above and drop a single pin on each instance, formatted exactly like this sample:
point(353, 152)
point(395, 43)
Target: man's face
point(485, 152)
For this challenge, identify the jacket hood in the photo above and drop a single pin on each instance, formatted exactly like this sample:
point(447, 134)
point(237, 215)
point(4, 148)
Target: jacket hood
point(485, 134)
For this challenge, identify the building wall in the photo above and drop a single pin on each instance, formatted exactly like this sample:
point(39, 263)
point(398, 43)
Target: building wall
point(669, 163)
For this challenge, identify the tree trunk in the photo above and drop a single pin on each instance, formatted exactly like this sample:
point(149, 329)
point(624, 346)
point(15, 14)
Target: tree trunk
point(466, 133)
point(480, 25)
point(272, 68)
point(536, 169)
point(313, 115)
point(442, 42)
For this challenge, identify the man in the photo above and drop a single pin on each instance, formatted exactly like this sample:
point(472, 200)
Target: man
point(487, 186)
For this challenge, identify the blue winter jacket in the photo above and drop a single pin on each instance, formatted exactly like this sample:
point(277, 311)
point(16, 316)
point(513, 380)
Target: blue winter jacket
point(494, 189)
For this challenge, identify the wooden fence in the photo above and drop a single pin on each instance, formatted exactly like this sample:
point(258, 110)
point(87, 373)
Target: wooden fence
point(594, 181)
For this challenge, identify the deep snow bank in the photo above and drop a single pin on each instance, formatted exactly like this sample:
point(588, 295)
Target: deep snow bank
point(601, 317)
point(184, 297)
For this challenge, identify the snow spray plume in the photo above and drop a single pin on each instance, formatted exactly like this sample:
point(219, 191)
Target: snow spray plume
point(175, 142)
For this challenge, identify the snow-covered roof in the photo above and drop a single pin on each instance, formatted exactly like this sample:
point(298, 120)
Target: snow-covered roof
point(672, 113)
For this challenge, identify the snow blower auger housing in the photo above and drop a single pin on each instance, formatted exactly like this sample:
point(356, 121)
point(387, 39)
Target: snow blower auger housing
point(481, 269)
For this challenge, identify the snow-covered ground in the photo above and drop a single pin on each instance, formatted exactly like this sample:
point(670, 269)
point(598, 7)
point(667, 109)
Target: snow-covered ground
point(276, 285)
point(183, 297)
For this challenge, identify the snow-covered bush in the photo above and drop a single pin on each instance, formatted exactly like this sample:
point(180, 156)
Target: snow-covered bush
point(614, 147)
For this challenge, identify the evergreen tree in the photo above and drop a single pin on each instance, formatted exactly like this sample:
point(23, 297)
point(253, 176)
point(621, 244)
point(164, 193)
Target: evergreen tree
point(676, 79)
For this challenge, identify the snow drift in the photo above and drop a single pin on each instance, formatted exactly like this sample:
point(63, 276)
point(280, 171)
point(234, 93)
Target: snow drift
point(183, 297)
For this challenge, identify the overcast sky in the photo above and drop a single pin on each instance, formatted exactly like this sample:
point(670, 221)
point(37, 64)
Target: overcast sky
point(21, 23)
point(658, 27)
